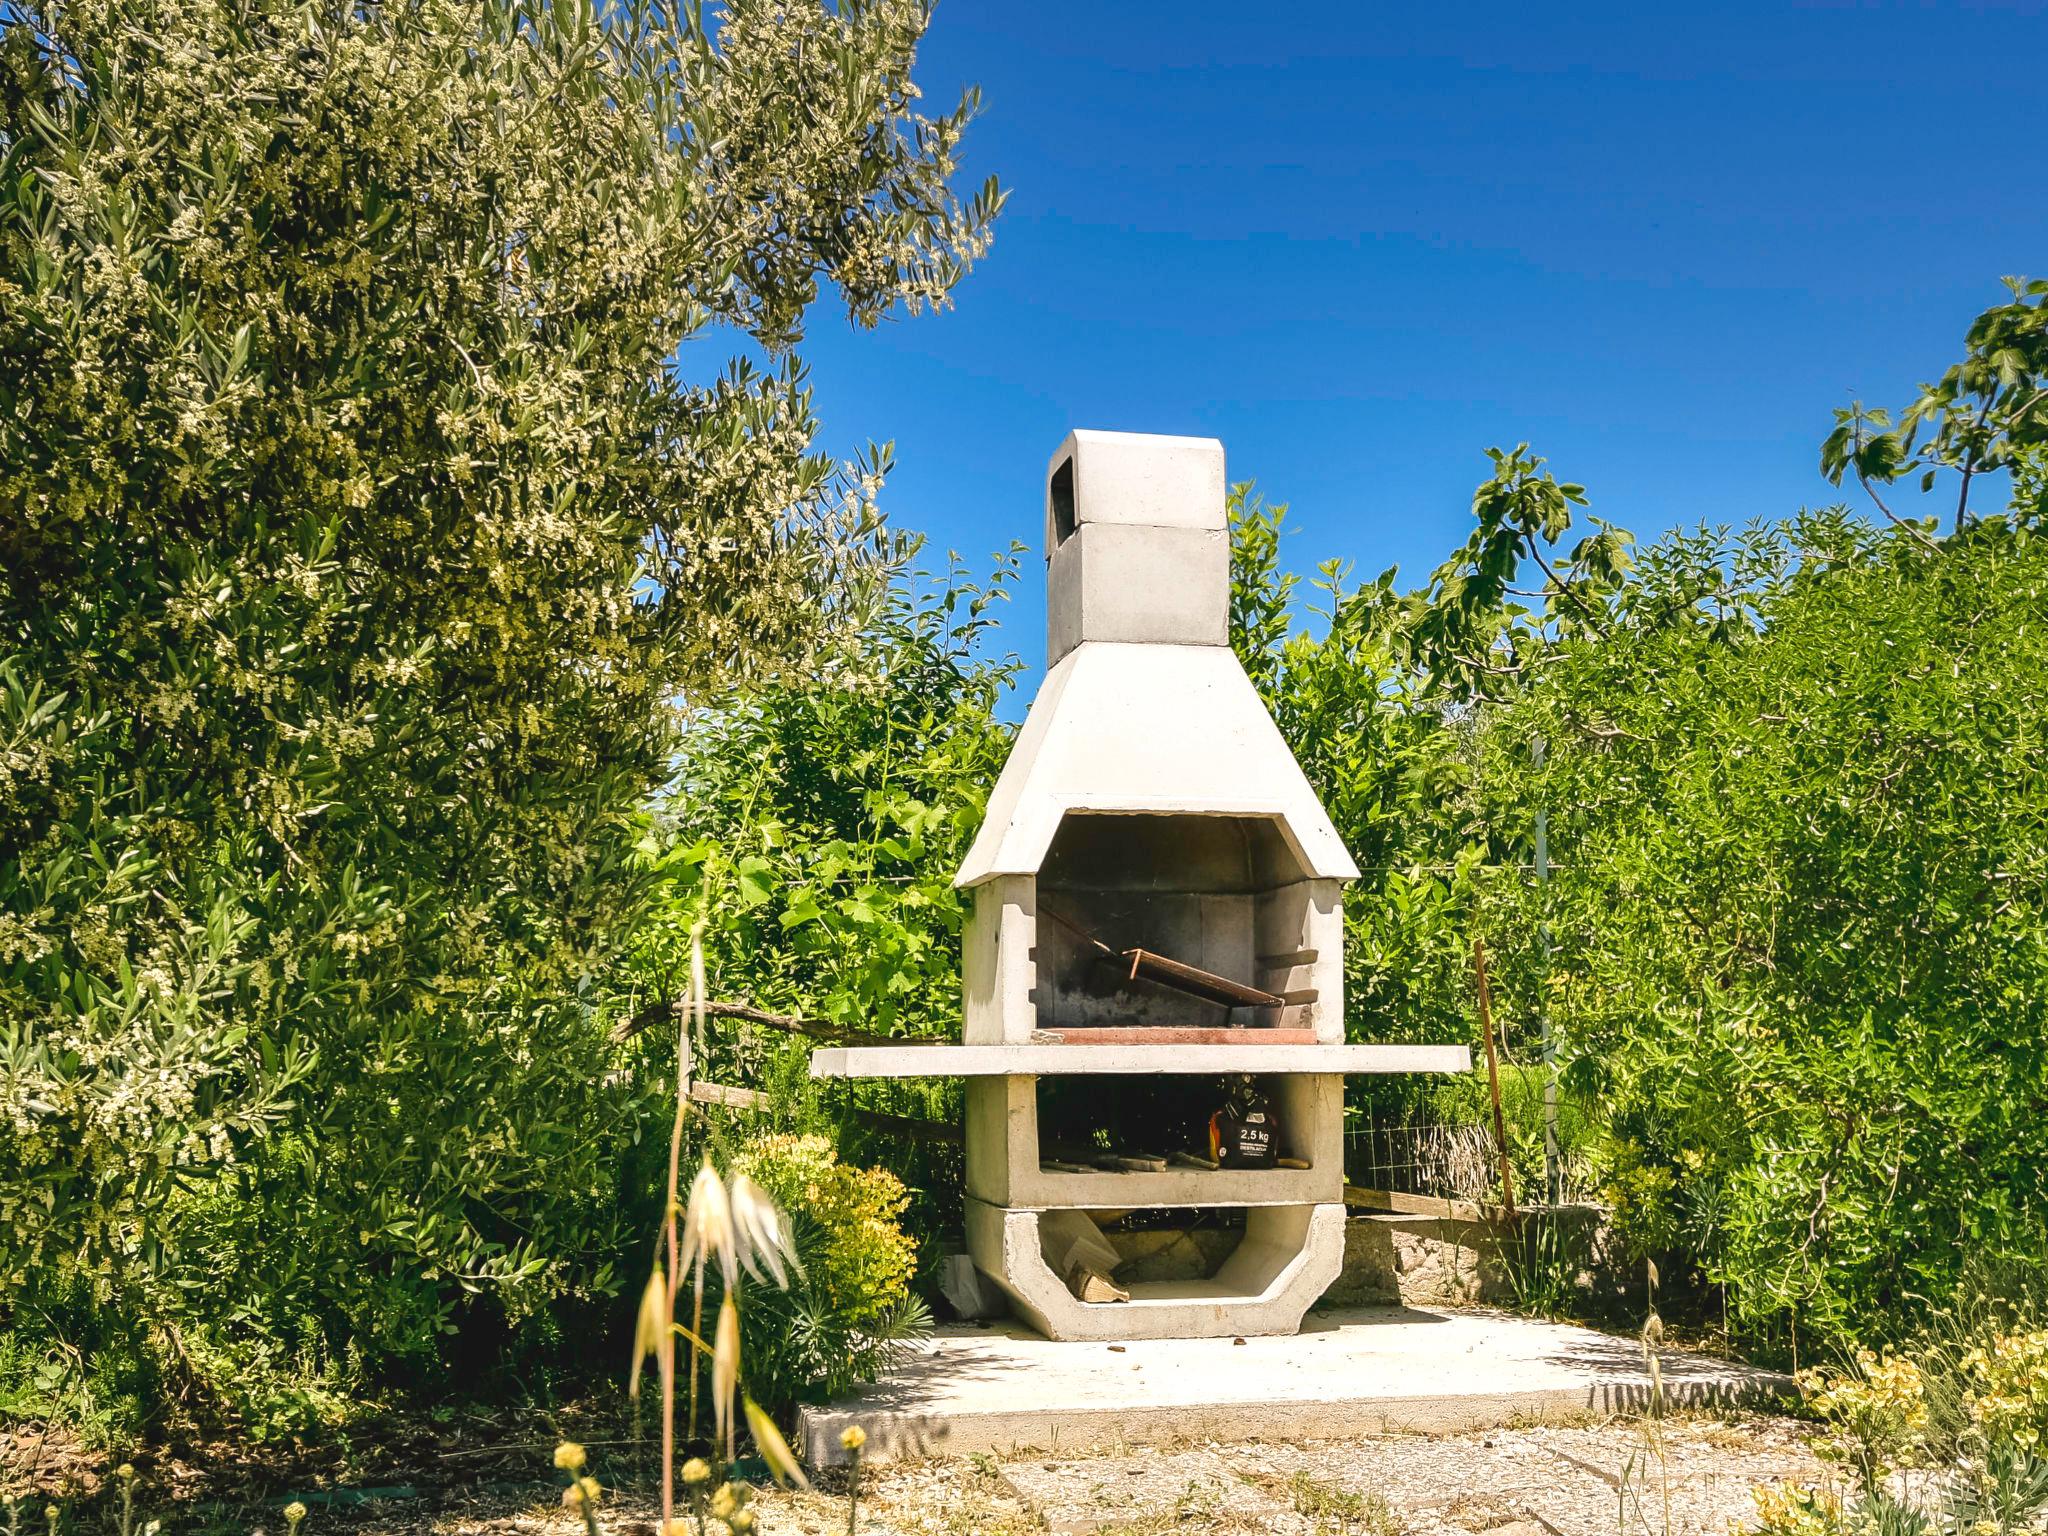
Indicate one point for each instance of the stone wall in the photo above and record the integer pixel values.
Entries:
(1415, 1259)
(1395, 1259)
(1474, 1258)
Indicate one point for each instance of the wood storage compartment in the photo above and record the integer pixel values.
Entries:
(1287, 1257)
(1011, 1162)
(1096, 1119)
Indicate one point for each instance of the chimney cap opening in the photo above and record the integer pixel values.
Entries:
(1060, 492)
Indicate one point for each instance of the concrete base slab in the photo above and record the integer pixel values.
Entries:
(1349, 1371)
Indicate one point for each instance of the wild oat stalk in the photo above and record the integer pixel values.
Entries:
(737, 1227)
(1653, 1419)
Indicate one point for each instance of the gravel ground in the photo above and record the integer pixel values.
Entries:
(1593, 1479)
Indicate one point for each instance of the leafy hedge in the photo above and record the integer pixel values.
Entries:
(1801, 956)
(1790, 947)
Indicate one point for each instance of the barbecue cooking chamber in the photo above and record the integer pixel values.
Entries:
(1173, 922)
(1155, 907)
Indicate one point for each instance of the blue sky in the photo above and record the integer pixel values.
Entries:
(1360, 243)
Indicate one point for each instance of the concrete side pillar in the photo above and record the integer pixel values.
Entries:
(998, 965)
(1301, 918)
(1002, 1137)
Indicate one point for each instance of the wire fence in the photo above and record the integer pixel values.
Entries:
(1417, 1157)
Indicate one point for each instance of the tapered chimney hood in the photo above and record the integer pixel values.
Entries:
(1146, 709)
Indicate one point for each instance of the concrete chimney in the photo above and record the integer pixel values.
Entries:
(1137, 542)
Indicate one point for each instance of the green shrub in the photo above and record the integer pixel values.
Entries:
(1942, 1435)
(103, 1394)
(1789, 940)
(1800, 934)
(812, 838)
(1909, 1467)
(848, 1316)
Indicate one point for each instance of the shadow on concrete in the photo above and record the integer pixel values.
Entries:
(1621, 1382)
(1330, 1319)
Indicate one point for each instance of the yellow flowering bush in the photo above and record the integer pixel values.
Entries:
(1945, 1442)
(2008, 1394)
(1797, 1509)
(849, 1311)
(1877, 1412)
(860, 1257)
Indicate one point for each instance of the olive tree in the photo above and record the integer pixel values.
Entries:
(399, 408)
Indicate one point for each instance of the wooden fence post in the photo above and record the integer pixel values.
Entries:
(1500, 1126)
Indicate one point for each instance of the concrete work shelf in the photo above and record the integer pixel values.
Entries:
(1128, 1060)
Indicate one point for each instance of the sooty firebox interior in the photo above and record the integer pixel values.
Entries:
(1189, 890)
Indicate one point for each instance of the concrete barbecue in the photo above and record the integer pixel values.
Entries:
(1153, 967)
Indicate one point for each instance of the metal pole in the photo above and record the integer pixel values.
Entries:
(1553, 1170)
